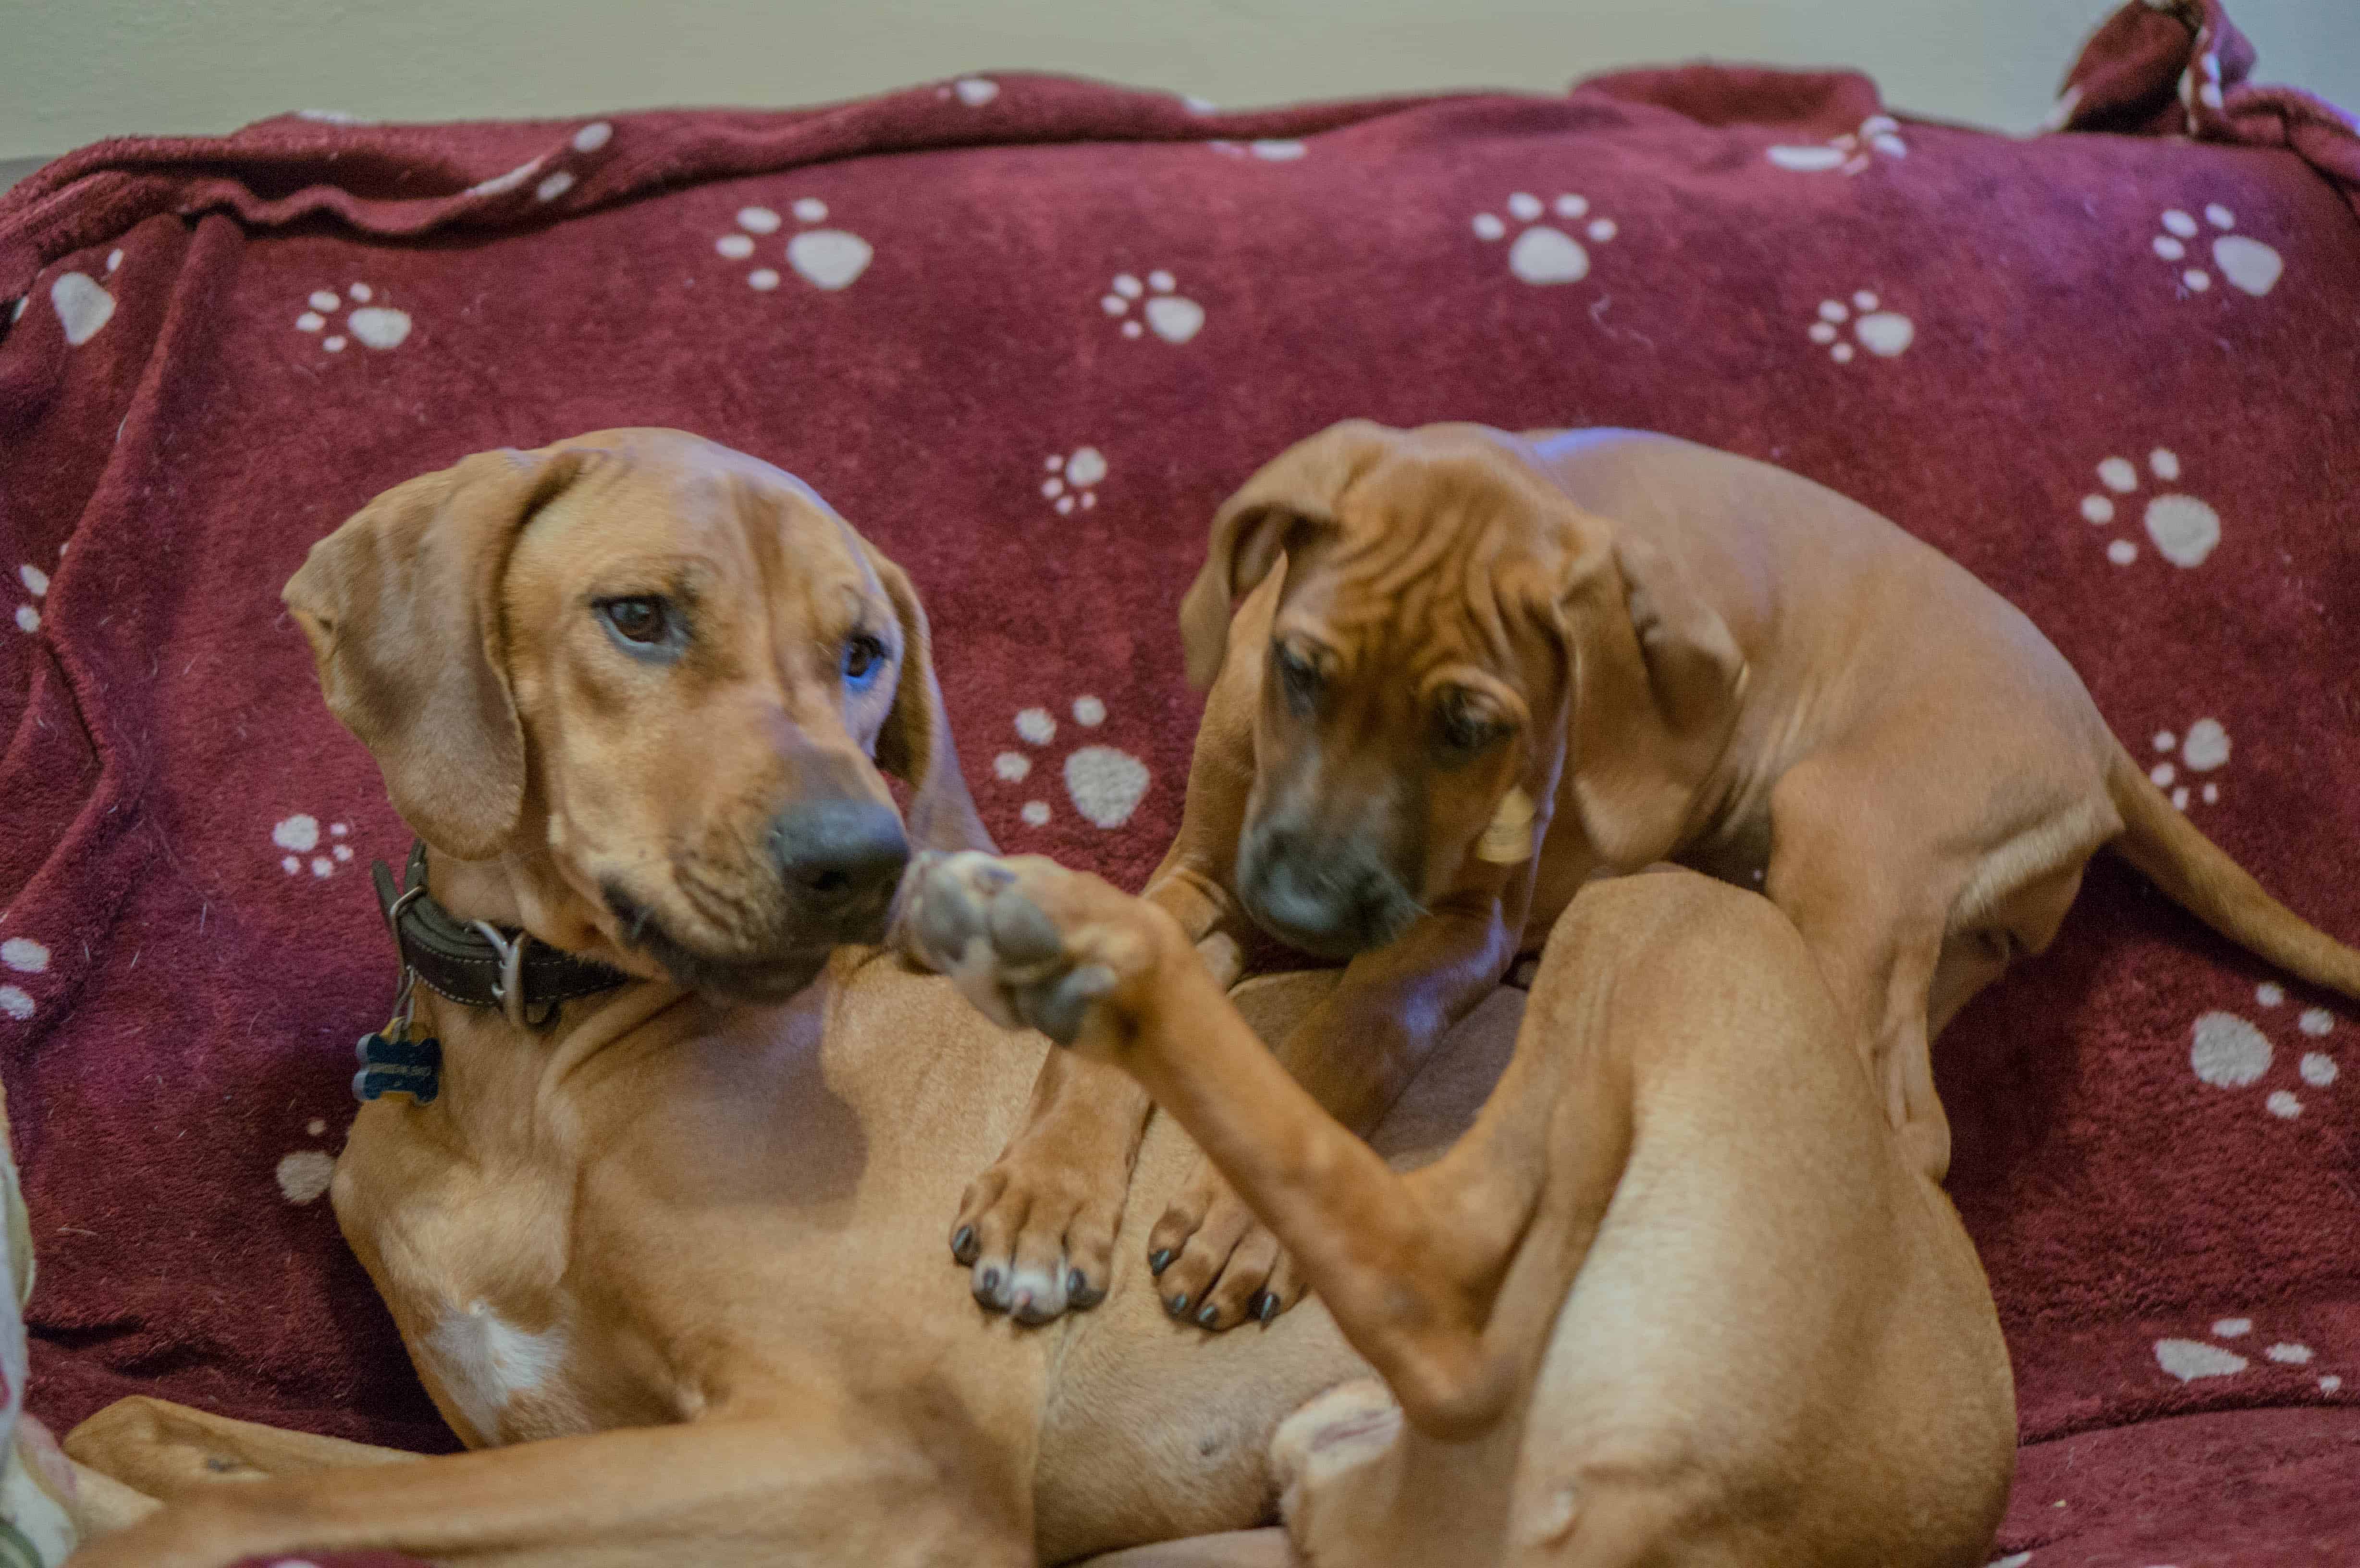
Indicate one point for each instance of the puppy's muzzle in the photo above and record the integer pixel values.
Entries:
(1331, 898)
(840, 861)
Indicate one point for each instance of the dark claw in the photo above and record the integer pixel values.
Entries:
(1077, 1286)
(1209, 1316)
(1179, 1305)
(963, 1243)
(1157, 1262)
(1268, 1309)
(987, 1285)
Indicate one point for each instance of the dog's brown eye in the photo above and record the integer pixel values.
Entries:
(1468, 728)
(1298, 676)
(641, 619)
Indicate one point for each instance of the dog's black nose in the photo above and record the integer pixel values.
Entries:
(840, 855)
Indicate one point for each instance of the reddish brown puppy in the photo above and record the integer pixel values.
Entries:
(1472, 671)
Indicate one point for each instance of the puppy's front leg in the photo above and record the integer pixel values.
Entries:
(1407, 1265)
(1036, 1230)
(1355, 1052)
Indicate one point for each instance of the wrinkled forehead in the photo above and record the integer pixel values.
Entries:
(1436, 555)
(660, 496)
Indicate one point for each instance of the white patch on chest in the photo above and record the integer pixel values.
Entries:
(483, 1361)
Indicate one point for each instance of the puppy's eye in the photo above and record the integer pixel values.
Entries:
(1298, 676)
(1468, 728)
(864, 659)
(641, 618)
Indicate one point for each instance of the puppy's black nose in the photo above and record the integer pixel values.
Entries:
(1326, 900)
(840, 855)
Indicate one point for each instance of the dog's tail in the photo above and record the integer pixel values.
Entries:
(2197, 876)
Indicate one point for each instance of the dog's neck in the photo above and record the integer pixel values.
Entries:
(525, 891)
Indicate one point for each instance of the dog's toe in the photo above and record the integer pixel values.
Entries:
(1058, 1009)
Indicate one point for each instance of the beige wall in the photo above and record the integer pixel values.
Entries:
(74, 70)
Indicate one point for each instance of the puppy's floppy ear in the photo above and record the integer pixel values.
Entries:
(915, 744)
(1298, 488)
(1657, 679)
(402, 608)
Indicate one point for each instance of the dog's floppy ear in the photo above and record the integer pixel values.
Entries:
(402, 608)
(1657, 679)
(1297, 488)
(915, 744)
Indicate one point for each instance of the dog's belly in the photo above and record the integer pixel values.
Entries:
(713, 1221)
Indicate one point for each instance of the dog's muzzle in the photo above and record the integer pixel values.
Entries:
(1330, 899)
(840, 861)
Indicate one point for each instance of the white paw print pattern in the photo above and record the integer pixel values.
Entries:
(973, 91)
(372, 324)
(589, 140)
(1173, 317)
(2204, 748)
(2228, 1053)
(1270, 150)
(2191, 1360)
(304, 1174)
(20, 956)
(2249, 266)
(1850, 153)
(2184, 529)
(1072, 480)
(1884, 333)
(1104, 785)
(81, 302)
(1542, 253)
(825, 258)
(36, 583)
(298, 836)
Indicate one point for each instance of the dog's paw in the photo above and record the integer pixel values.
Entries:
(1036, 1230)
(1034, 945)
(1215, 1264)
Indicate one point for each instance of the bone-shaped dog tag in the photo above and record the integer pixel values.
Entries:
(393, 1062)
(1508, 839)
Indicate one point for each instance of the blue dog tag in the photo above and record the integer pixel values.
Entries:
(393, 1063)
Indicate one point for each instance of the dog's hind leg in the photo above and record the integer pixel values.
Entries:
(823, 1485)
(166, 1450)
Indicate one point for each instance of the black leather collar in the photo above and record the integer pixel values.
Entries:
(476, 963)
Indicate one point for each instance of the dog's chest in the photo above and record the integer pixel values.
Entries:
(467, 1246)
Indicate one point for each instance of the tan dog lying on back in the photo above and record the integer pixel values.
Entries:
(666, 1264)
(1473, 670)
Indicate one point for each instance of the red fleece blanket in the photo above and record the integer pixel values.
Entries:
(1027, 333)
